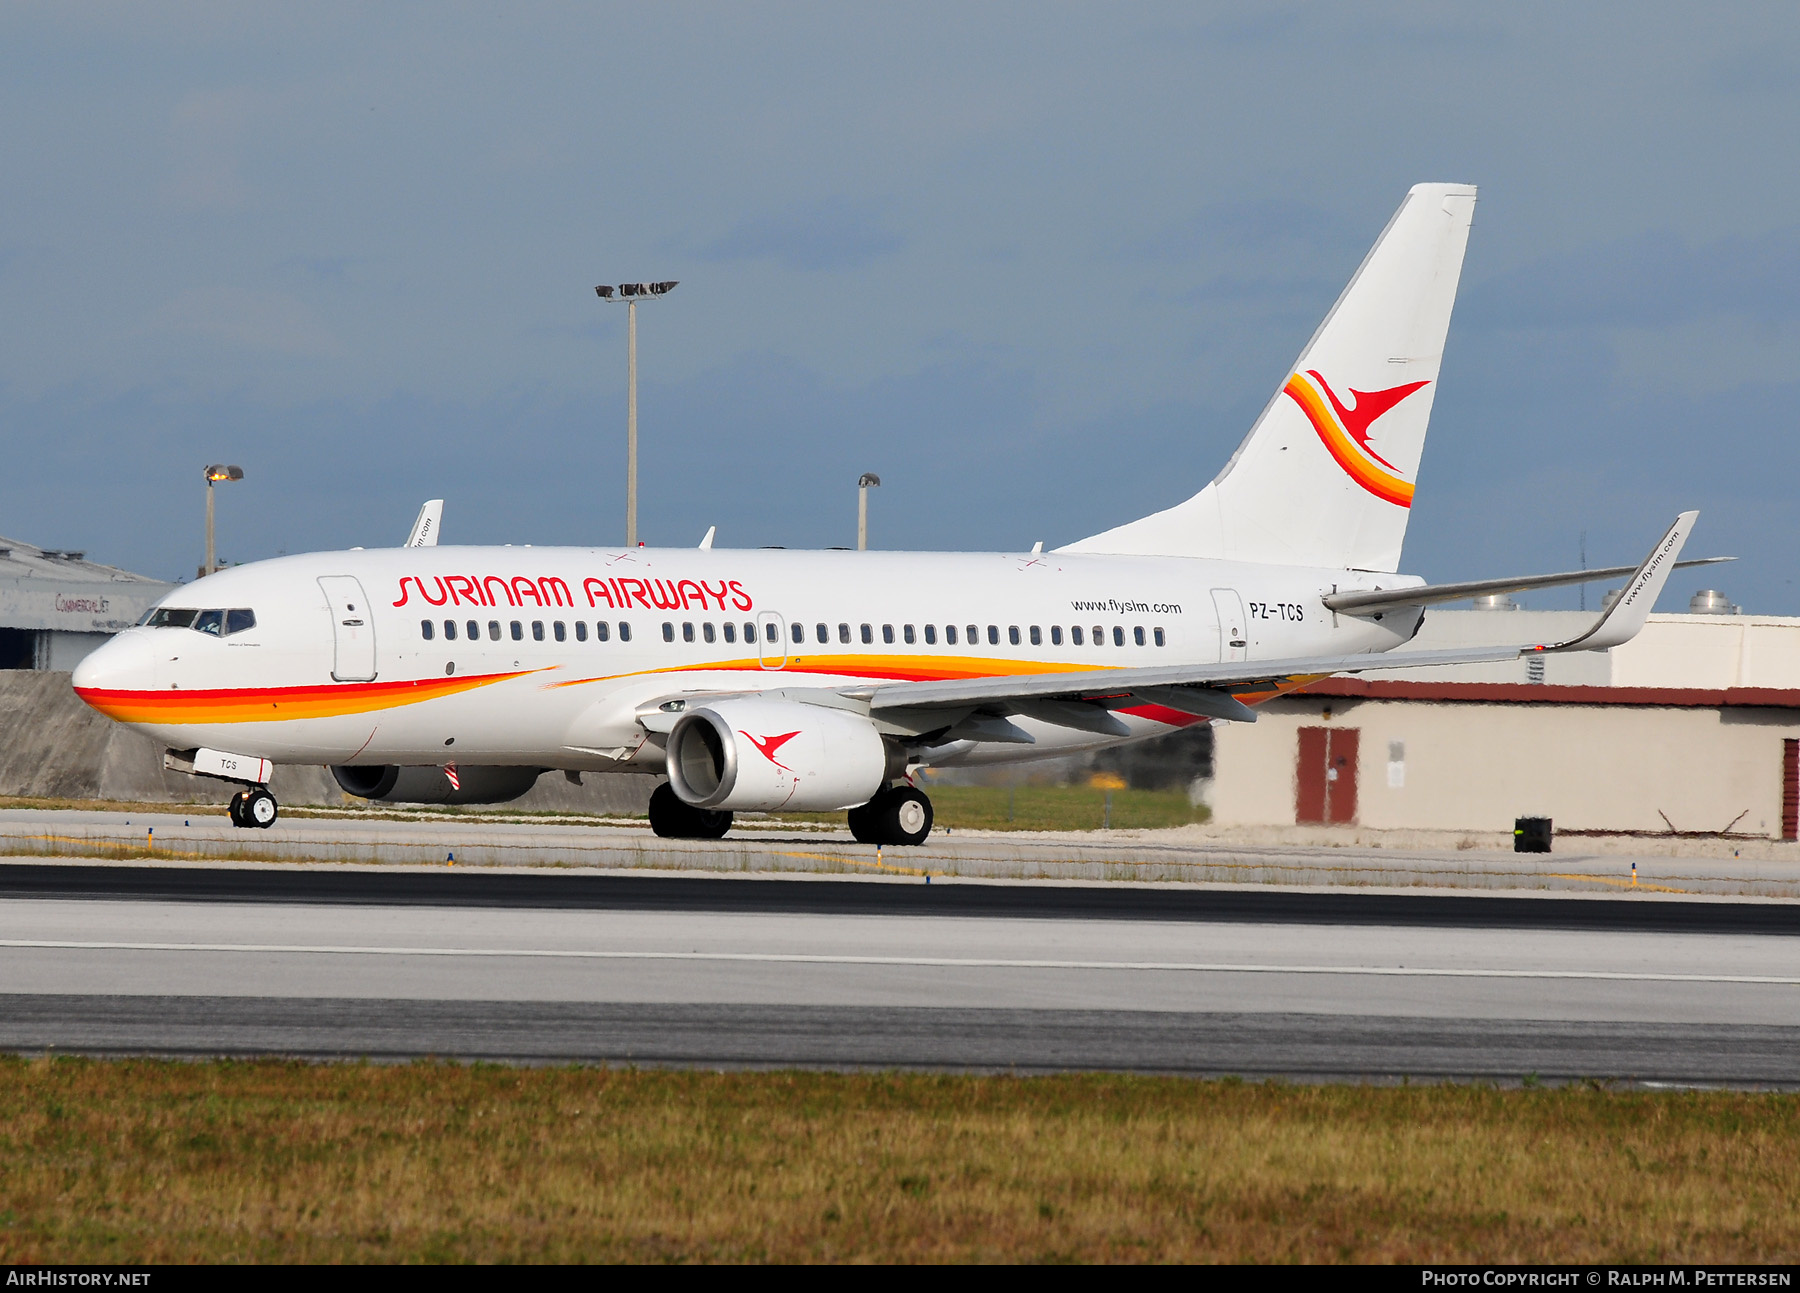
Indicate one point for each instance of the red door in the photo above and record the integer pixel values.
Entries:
(1790, 790)
(1325, 776)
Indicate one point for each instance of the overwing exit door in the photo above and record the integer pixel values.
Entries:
(1234, 639)
(352, 629)
(772, 641)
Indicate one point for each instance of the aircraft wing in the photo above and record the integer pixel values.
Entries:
(1378, 599)
(1210, 690)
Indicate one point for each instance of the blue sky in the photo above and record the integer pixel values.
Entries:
(1038, 266)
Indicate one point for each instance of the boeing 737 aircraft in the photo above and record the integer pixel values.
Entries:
(765, 680)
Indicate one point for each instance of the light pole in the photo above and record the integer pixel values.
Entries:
(217, 472)
(864, 483)
(631, 294)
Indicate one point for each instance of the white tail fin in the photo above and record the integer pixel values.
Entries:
(1325, 477)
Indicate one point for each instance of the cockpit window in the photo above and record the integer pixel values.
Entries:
(170, 617)
(218, 623)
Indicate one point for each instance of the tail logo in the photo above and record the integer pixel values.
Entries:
(769, 744)
(1345, 431)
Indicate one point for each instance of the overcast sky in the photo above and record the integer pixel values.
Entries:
(1037, 266)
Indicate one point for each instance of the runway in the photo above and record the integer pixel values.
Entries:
(389, 963)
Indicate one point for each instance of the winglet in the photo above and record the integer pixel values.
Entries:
(1628, 612)
(706, 543)
(425, 529)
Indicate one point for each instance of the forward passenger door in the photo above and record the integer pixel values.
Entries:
(352, 629)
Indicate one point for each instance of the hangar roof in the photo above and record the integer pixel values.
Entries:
(53, 588)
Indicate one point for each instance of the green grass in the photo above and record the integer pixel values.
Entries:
(158, 1161)
(1047, 808)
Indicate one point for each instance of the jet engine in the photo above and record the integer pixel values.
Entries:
(428, 785)
(760, 753)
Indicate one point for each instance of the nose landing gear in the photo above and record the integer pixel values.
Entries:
(897, 815)
(254, 807)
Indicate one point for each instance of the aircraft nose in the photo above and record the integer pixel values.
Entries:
(127, 663)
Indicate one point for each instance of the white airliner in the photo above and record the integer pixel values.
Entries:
(764, 680)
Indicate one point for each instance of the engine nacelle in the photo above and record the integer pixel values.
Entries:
(427, 785)
(755, 754)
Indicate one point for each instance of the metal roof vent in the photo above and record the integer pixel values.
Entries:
(1710, 601)
(1496, 602)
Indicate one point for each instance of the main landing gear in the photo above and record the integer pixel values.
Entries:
(897, 815)
(254, 807)
(674, 819)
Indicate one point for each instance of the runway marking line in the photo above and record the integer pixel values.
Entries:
(1623, 884)
(930, 962)
(875, 866)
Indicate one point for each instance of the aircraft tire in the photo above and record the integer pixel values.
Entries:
(260, 809)
(237, 810)
(674, 819)
(864, 827)
(902, 816)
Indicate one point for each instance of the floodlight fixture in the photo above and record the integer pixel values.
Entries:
(864, 483)
(631, 294)
(215, 473)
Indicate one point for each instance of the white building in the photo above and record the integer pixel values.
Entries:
(56, 606)
(1692, 726)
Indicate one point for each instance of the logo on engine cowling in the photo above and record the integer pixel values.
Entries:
(767, 745)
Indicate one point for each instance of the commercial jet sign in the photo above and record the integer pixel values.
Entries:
(618, 594)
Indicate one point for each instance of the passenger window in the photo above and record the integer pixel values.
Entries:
(239, 620)
(994, 634)
(868, 635)
(1012, 634)
(823, 634)
(427, 630)
(518, 631)
(749, 631)
(624, 630)
(1075, 634)
(797, 631)
(931, 635)
(602, 631)
(581, 630)
(212, 622)
(949, 635)
(1118, 636)
(1159, 638)
(844, 633)
(1055, 634)
(1037, 636)
(907, 633)
(1137, 635)
(449, 630)
(730, 631)
(668, 631)
(974, 637)
(537, 630)
(687, 631)
(706, 631)
(1099, 636)
(887, 634)
(493, 630)
(561, 633)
